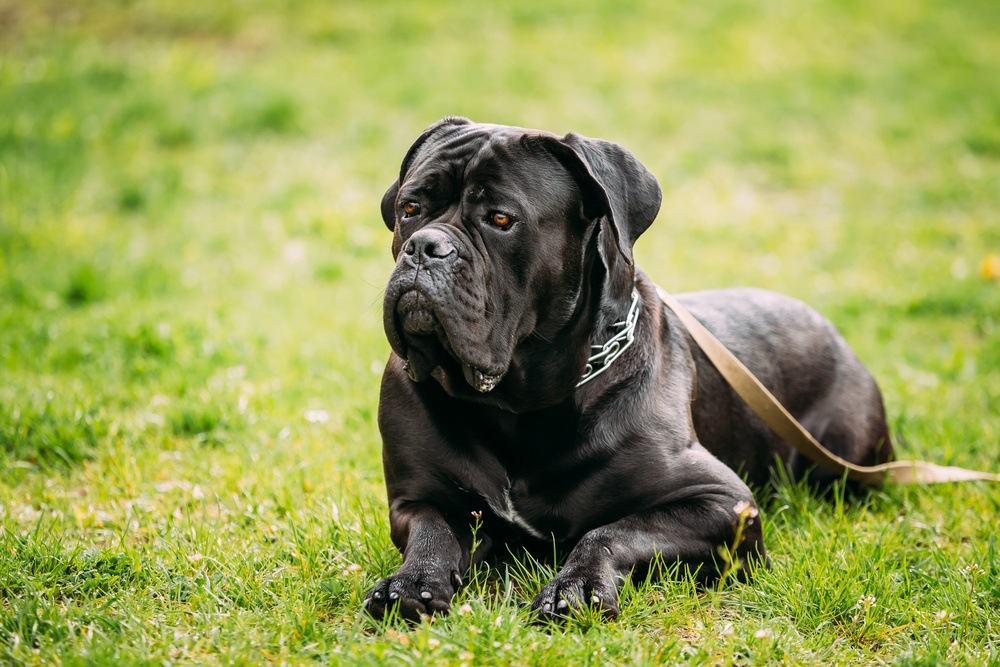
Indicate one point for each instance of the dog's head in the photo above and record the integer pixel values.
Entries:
(505, 237)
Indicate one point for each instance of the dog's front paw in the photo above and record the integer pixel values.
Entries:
(576, 591)
(414, 594)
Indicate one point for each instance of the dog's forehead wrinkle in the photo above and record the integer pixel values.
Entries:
(451, 150)
(491, 165)
(479, 155)
(475, 193)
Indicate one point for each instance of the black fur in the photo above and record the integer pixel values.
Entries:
(491, 327)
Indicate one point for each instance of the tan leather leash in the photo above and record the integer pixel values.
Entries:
(774, 414)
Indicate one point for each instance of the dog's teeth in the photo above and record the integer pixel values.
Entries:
(479, 380)
(486, 383)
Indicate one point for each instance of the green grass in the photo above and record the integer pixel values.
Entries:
(191, 266)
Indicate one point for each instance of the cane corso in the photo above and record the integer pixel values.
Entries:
(540, 396)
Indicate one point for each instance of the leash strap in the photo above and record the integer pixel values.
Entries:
(774, 414)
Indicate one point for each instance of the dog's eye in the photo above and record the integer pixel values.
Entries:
(500, 219)
(410, 209)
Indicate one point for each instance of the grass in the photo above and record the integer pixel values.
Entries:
(191, 265)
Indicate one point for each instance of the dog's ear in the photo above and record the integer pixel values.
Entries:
(614, 185)
(389, 206)
(389, 198)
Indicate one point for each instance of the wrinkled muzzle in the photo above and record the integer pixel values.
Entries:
(435, 314)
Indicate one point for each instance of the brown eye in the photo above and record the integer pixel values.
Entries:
(411, 208)
(500, 219)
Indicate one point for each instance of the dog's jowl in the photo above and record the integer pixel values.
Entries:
(538, 389)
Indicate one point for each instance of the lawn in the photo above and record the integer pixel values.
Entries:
(191, 268)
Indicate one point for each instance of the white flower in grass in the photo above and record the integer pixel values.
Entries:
(317, 416)
(745, 510)
(295, 251)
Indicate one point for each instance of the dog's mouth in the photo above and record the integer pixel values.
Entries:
(428, 346)
(416, 314)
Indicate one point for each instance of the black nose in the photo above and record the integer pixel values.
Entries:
(429, 244)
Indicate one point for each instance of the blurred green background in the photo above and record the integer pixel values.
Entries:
(191, 266)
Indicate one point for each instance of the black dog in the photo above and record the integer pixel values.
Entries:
(537, 384)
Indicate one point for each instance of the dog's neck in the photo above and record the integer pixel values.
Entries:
(604, 354)
(613, 329)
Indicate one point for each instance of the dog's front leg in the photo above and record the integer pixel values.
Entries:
(433, 558)
(688, 532)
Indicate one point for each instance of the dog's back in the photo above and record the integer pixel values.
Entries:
(805, 362)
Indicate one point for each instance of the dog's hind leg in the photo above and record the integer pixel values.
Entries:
(849, 420)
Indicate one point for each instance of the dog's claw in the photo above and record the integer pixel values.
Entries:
(565, 596)
(411, 595)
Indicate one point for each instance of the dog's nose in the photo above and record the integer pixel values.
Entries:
(429, 244)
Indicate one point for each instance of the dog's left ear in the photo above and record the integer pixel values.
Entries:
(614, 185)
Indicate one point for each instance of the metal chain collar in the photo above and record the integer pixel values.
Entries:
(606, 354)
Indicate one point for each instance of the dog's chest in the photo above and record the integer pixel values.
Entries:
(502, 502)
(525, 508)
(492, 489)
(519, 470)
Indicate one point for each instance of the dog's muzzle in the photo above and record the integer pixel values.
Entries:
(416, 314)
(418, 317)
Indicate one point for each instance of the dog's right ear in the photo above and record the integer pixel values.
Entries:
(389, 206)
(389, 198)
